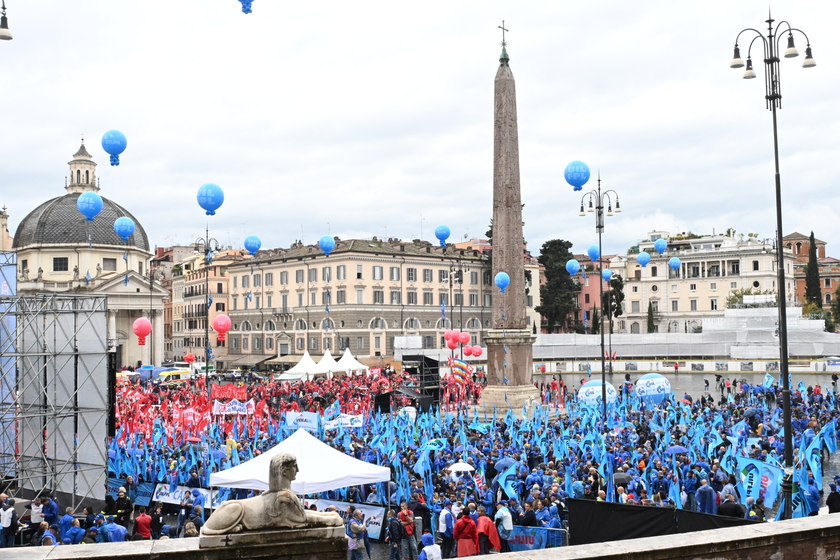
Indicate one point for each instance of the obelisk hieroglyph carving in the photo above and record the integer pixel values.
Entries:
(509, 341)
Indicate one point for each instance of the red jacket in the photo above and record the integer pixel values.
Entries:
(143, 525)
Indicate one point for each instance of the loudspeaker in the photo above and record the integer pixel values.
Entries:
(382, 403)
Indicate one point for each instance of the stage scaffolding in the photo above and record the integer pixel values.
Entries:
(56, 390)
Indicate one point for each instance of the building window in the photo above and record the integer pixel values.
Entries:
(313, 343)
(635, 289)
(411, 274)
(220, 307)
(585, 298)
(234, 282)
(326, 274)
(675, 305)
(313, 298)
(299, 276)
(488, 300)
(635, 328)
(733, 285)
(692, 287)
(713, 304)
(378, 296)
(428, 298)
(327, 343)
(257, 343)
(395, 274)
(60, 264)
(442, 298)
(377, 342)
(284, 302)
(245, 343)
(325, 297)
(340, 296)
(269, 278)
(755, 265)
(474, 278)
(634, 306)
(674, 288)
(486, 280)
(713, 285)
(235, 303)
(529, 301)
(827, 282)
(269, 343)
(257, 280)
(341, 272)
(693, 304)
(269, 301)
(459, 299)
(300, 299)
(313, 274)
(428, 274)
(358, 272)
(653, 271)
(360, 343)
(377, 273)
(474, 300)
(412, 298)
(443, 276)
(245, 282)
(284, 277)
(257, 302)
(828, 298)
(109, 265)
(360, 296)
(301, 344)
(377, 323)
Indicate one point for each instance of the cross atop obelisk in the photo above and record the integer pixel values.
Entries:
(509, 340)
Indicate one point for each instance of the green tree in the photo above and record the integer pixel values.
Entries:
(595, 324)
(835, 305)
(651, 326)
(813, 293)
(557, 295)
(613, 298)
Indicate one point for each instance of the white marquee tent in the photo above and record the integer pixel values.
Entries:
(322, 468)
(304, 366)
(349, 364)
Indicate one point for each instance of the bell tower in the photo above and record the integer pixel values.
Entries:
(82, 172)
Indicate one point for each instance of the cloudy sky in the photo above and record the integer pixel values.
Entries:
(370, 119)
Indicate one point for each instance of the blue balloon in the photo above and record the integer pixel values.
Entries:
(327, 244)
(252, 244)
(442, 233)
(577, 174)
(660, 245)
(593, 252)
(114, 143)
(653, 387)
(606, 274)
(502, 281)
(674, 263)
(643, 258)
(210, 197)
(124, 227)
(89, 204)
(573, 267)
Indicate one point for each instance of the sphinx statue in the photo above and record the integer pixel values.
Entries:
(279, 508)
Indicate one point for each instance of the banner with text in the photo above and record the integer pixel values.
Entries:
(163, 494)
(346, 420)
(234, 408)
(228, 392)
(528, 538)
(306, 420)
(374, 515)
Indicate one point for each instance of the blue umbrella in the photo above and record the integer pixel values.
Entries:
(676, 449)
(504, 463)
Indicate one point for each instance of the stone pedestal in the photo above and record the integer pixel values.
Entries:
(509, 357)
(317, 543)
(512, 397)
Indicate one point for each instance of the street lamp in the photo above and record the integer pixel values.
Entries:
(206, 246)
(595, 200)
(773, 97)
(5, 34)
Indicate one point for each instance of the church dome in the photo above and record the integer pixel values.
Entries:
(59, 222)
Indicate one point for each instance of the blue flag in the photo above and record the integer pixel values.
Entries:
(769, 380)
(508, 481)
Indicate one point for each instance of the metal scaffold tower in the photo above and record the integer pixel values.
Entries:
(56, 395)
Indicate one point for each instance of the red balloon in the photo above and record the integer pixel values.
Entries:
(468, 350)
(542, 369)
(464, 337)
(447, 335)
(142, 327)
(452, 344)
(476, 350)
(189, 358)
(221, 324)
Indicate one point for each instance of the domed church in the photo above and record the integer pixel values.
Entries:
(58, 250)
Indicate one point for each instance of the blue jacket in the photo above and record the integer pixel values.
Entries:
(690, 484)
(706, 499)
(64, 525)
(449, 521)
(50, 512)
(75, 534)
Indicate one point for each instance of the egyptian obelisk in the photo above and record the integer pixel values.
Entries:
(509, 340)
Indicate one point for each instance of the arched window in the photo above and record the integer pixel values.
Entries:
(473, 323)
(87, 176)
(300, 325)
(246, 325)
(443, 324)
(78, 176)
(270, 326)
(412, 324)
(635, 328)
(798, 247)
(377, 323)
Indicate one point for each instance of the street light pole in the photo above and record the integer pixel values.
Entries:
(208, 245)
(599, 199)
(773, 97)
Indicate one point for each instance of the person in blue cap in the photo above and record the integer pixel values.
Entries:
(812, 496)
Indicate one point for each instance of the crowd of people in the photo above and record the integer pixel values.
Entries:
(680, 453)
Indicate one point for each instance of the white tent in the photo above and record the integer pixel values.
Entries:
(322, 468)
(349, 364)
(326, 366)
(304, 366)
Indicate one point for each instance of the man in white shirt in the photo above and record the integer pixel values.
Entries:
(36, 516)
(504, 524)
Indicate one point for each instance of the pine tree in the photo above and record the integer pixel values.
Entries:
(651, 327)
(813, 293)
(558, 293)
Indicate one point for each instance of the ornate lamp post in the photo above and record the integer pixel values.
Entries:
(773, 97)
(595, 200)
